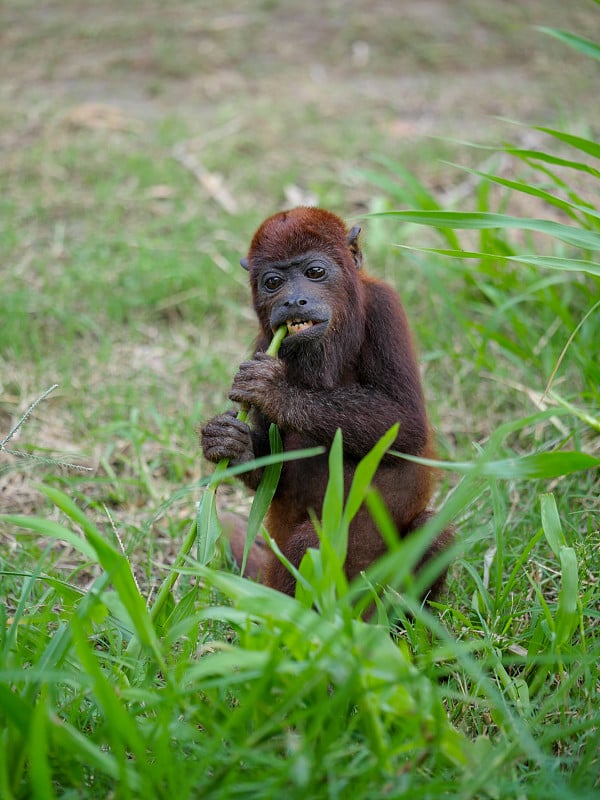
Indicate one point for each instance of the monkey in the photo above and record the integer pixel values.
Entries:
(348, 361)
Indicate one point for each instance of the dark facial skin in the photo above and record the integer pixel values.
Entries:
(297, 294)
(347, 362)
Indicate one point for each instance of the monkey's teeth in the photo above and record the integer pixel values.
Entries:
(295, 326)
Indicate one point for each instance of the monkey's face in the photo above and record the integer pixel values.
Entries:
(300, 294)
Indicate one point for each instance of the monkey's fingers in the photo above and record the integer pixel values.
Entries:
(246, 396)
(215, 450)
(226, 437)
(226, 424)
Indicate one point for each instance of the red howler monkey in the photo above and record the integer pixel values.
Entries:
(347, 362)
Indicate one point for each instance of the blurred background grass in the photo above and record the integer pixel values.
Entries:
(119, 269)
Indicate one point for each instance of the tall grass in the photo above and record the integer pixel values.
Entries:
(224, 688)
(268, 694)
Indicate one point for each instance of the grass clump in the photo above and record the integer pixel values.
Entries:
(300, 695)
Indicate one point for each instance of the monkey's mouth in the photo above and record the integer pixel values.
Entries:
(297, 325)
(300, 329)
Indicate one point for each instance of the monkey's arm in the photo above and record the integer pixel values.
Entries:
(364, 413)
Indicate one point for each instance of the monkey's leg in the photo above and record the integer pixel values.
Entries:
(234, 530)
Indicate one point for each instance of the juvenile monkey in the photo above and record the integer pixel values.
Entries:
(347, 362)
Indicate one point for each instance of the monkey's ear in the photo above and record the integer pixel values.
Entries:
(245, 263)
(352, 241)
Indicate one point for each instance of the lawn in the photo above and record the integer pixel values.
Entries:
(140, 146)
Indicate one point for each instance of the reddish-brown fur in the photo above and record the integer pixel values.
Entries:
(359, 374)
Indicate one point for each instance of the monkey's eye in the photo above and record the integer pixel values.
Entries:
(314, 273)
(272, 282)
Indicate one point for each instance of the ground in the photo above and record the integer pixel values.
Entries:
(310, 85)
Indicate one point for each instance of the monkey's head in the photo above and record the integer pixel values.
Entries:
(303, 267)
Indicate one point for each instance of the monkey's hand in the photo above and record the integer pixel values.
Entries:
(226, 437)
(261, 383)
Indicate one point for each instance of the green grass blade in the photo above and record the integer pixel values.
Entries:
(263, 461)
(570, 208)
(64, 737)
(589, 419)
(518, 567)
(551, 524)
(334, 494)
(579, 142)
(166, 586)
(47, 527)
(414, 193)
(481, 220)
(579, 43)
(365, 472)
(530, 467)
(255, 598)
(119, 719)
(541, 465)
(80, 746)
(324, 568)
(264, 494)
(546, 262)
(14, 709)
(54, 655)
(546, 158)
(208, 525)
(382, 518)
(116, 566)
(39, 768)
(567, 614)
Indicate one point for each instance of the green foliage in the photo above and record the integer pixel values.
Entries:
(378, 710)
(527, 645)
(509, 291)
(287, 694)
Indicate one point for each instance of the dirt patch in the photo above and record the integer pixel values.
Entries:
(445, 67)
